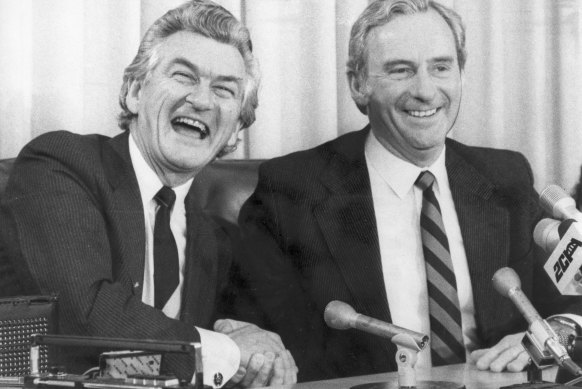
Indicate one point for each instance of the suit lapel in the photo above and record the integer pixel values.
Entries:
(201, 244)
(127, 212)
(484, 223)
(348, 223)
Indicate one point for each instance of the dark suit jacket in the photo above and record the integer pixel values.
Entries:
(73, 213)
(309, 234)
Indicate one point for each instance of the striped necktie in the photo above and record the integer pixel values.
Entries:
(166, 267)
(447, 345)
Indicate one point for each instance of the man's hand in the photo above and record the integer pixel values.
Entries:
(508, 355)
(264, 359)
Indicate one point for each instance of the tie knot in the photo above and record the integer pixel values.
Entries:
(425, 180)
(165, 197)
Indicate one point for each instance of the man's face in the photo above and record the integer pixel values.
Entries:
(413, 89)
(188, 108)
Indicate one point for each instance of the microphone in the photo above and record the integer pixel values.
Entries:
(559, 204)
(569, 336)
(562, 240)
(507, 283)
(342, 316)
(546, 234)
(568, 333)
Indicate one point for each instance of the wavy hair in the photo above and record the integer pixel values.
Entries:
(380, 12)
(202, 17)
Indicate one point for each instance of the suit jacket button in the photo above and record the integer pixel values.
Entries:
(218, 379)
(136, 285)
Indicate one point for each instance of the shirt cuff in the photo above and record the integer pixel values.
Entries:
(220, 357)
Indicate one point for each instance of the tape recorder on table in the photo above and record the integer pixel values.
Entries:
(135, 366)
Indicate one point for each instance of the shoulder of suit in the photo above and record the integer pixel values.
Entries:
(66, 147)
(54, 152)
(502, 167)
(66, 142)
(478, 152)
(314, 160)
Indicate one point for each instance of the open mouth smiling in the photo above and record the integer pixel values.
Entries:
(422, 114)
(188, 124)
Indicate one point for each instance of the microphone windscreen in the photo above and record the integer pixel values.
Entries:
(339, 315)
(546, 234)
(504, 280)
(550, 196)
(559, 204)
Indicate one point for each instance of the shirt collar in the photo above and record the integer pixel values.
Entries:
(399, 174)
(148, 181)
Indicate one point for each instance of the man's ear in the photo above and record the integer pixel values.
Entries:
(232, 143)
(133, 96)
(358, 90)
(233, 140)
(462, 84)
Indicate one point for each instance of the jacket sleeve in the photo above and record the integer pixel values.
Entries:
(271, 267)
(55, 224)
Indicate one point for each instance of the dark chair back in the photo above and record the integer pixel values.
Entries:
(15, 279)
(578, 192)
(223, 186)
(5, 169)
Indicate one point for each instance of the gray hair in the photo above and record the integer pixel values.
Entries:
(202, 17)
(380, 12)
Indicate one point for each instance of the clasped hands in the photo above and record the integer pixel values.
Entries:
(264, 359)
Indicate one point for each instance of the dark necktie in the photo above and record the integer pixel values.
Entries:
(165, 250)
(446, 336)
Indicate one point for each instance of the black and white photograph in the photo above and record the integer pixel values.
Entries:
(290, 194)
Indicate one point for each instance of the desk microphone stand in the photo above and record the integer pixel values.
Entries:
(406, 357)
(539, 357)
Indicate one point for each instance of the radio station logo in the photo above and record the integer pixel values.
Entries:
(564, 260)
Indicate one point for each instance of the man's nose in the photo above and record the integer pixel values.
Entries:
(423, 87)
(200, 97)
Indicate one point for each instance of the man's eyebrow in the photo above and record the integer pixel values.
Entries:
(389, 64)
(446, 58)
(183, 61)
(224, 78)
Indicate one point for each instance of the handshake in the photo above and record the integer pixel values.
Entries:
(264, 360)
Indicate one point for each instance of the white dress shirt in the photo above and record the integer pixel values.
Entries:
(219, 353)
(397, 206)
